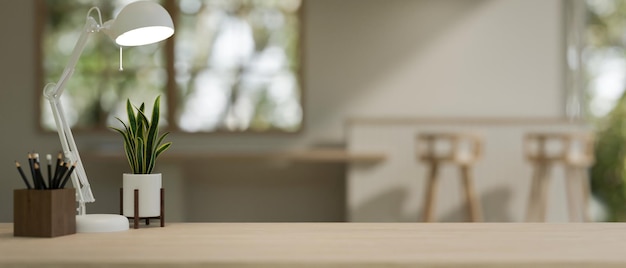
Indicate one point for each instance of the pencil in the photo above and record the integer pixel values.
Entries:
(42, 183)
(32, 171)
(56, 169)
(67, 175)
(38, 171)
(49, 158)
(58, 172)
(19, 169)
(59, 158)
(37, 167)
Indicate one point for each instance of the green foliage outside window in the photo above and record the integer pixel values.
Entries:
(605, 56)
(94, 96)
(233, 66)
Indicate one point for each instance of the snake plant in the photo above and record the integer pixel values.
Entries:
(142, 142)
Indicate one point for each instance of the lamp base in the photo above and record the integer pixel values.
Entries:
(101, 223)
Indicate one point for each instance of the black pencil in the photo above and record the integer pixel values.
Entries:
(56, 169)
(37, 166)
(59, 158)
(49, 158)
(39, 177)
(67, 176)
(32, 171)
(19, 169)
(58, 172)
(62, 174)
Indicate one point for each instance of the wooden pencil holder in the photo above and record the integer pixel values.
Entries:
(44, 213)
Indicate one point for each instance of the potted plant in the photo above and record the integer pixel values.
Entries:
(142, 145)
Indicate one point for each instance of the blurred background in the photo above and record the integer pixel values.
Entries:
(307, 110)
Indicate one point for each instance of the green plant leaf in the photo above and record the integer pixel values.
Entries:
(161, 138)
(140, 157)
(153, 132)
(142, 143)
(143, 121)
(131, 117)
(129, 143)
(128, 151)
(162, 148)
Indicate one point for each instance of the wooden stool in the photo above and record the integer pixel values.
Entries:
(575, 152)
(462, 150)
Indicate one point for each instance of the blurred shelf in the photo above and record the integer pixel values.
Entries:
(464, 121)
(307, 155)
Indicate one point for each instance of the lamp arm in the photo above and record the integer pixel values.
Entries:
(90, 26)
(79, 176)
(52, 93)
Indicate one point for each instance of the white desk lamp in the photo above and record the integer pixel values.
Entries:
(138, 23)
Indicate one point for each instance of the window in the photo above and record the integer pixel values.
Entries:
(604, 55)
(232, 66)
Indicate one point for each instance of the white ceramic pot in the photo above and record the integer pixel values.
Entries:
(149, 186)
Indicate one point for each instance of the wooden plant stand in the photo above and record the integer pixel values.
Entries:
(136, 217)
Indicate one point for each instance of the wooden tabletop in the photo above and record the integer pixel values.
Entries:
(327, 245)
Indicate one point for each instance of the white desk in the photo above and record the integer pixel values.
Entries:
(327, 245)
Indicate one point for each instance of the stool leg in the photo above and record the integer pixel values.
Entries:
(473, 204)
(578, 193)
(584, 181)
(537, 199)
(543, 197)
(573, 194)
(429, 201)
(531, 209)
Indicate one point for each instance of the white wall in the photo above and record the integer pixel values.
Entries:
(418, 58)
(441, 59)
(362, 58)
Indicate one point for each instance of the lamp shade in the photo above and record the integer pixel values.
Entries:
(141, 23)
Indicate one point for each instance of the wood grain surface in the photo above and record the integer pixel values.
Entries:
(327, 245)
